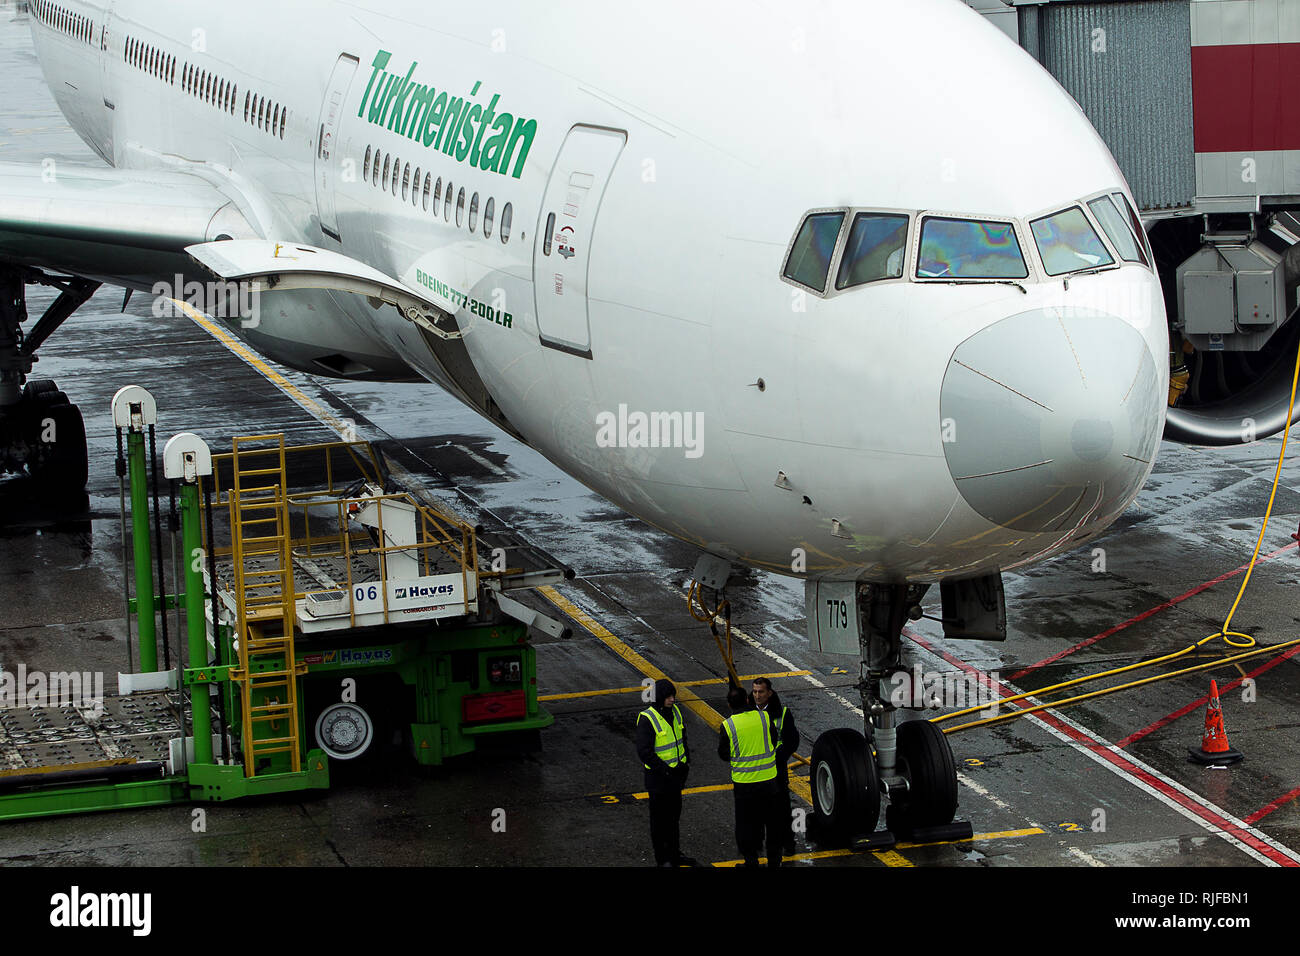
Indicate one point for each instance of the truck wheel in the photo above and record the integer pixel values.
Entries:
(344, 731)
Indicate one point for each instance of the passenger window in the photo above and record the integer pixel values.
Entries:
(437, 195)
(365, 168)
(428, 188)
(460, 206)
(488, 212)
(473, 212)
(388, 168)
(446, 205)
(507, 214)
(406, 182)
(1113, 223)
(415, 187)
(1067, 242)
(969, 249)
(875, 250)
(810, 257)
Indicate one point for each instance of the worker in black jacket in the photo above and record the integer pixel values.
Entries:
(661, 745)
(764, 698)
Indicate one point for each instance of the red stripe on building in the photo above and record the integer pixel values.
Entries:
(1243, 97)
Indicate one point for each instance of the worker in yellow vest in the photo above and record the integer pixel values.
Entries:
(765, 699)
(747, 740)
(661, 745)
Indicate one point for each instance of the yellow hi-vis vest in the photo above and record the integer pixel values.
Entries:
(668, 737)
(753, 758)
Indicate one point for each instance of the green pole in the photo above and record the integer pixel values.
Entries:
(195, 622)
(144, 584)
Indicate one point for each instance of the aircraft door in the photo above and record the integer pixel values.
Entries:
(562, 245)
(107, 93)
(331, 120)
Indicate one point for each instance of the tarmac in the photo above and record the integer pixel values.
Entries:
(1104, 782)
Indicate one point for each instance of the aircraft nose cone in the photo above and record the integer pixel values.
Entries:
(1051, 418)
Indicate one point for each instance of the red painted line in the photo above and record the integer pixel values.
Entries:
(1268, 808)
(1242, 98)
(1118, 760)
(1148, 613)
(1202, 701)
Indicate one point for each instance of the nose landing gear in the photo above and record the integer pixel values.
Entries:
(41, 432)
(909, 763)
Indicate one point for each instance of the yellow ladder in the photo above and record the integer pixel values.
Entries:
(264, 596)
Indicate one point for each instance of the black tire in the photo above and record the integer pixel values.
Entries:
(845, 787)
(35, 389)
(60, 464)
(926, 761)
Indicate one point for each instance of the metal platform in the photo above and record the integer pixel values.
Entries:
(137, 727)
(362, 553)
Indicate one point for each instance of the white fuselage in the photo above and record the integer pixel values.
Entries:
(737, 120)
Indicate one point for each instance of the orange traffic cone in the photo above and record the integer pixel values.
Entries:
(1214, 741)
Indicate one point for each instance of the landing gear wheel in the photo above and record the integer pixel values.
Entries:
(845, 787)
(58, 442)
(36, 389)
(925, 759)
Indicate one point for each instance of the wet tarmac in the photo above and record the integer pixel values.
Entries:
(1102, 783)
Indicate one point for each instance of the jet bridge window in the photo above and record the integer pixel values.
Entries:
(874, 251)
(809, 261)
(1121, 235)
(1067, 242)
(969, 249)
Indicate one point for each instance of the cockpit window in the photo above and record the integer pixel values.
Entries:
(874, 251)
(969, 249)
(1136, 221)
(810, 256)
(1118, 229)
(1067, 242)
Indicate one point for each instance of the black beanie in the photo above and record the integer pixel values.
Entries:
(663, 690)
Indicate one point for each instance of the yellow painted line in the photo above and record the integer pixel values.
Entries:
(715, 788)
(892, 858)
(1000, 835)
(891, 854)
(312, 406)
(639, 688)
(688, 698)
(887, 857)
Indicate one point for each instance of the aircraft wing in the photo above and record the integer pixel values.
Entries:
(124, 227)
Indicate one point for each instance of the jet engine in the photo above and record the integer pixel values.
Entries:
(1230, 286)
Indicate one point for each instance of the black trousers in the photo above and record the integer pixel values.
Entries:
(761, 818)
(665, 818)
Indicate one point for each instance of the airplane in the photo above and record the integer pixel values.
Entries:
(851, 292)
